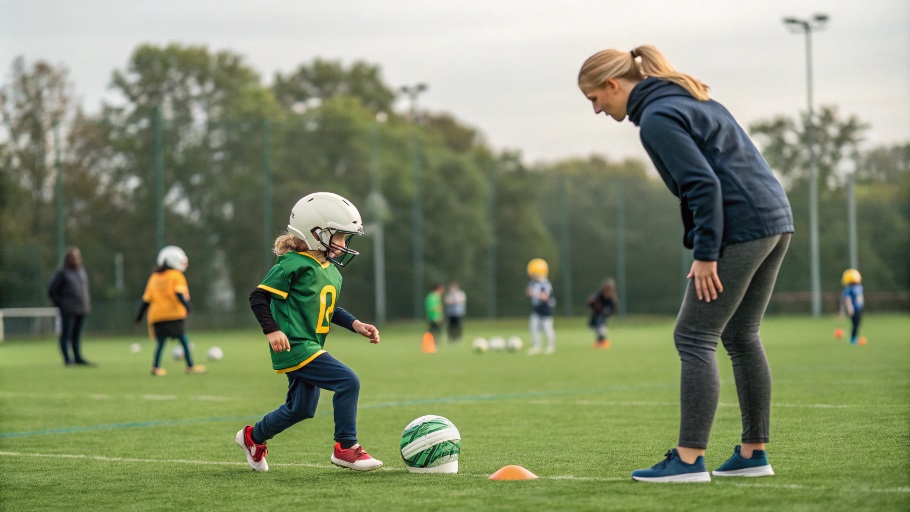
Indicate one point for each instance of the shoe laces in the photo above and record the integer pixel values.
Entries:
(258, 450)
(662, 464)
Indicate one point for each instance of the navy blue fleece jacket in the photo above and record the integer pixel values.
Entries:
(726, 190)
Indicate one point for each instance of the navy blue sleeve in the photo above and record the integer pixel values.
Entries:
(186, 303)
(343, 319)
(675, 154)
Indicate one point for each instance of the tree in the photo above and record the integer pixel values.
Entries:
(784, 145)
(324, 79)
(33, 106)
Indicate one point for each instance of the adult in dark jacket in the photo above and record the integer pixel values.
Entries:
(69, 291)
(737, 219)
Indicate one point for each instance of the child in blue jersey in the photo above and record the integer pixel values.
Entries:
(540, 291)
(295, 305)
(852, 300)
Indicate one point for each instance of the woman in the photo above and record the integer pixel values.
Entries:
(737, 219)
(69, 291)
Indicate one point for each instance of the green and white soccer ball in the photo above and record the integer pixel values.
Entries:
(431, 444)
(480, 345)
(514, 344)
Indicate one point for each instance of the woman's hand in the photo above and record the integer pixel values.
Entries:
(707, 282)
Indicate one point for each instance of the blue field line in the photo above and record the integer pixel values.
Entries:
(404, 403)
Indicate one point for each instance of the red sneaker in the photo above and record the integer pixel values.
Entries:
(255, 453)
(354, 458)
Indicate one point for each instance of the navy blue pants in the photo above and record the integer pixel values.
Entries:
(324, 372)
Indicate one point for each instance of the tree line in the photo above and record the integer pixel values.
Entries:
(194, 149)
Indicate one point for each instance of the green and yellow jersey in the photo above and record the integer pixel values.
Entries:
(304, 292)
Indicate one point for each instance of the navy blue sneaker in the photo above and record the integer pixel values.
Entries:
(673, 469)
(737, 465)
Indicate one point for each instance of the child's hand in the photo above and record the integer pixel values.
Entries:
(279, 341)
(367, 331)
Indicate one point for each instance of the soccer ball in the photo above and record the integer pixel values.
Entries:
(214, 354)
(431, 444)
(480, 345)
(177, 353)
(497, 343)
(135, 347)
(514, 344)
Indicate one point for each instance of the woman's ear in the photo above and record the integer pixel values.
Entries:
(611, 85)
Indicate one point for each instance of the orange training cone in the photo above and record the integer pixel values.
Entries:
(513, 473)
(429, 345)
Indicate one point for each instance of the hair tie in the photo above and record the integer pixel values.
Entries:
(632, 53)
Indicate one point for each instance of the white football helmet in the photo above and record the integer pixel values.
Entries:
(173, 257)
(317, 217)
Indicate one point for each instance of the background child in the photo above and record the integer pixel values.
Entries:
(432, 305)
(603, 304)
(167, 299)
(542, 302)
(852, 300)
(295, 304)
(456, 305)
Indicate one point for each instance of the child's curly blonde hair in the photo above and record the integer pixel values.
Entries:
(287, 242)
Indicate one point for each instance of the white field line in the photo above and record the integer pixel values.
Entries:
(101, 458)
(533, 401)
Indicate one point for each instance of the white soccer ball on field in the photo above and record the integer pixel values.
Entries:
(177, 353)
(431, 444)
(480, 345)
(514, 344)
(215, 354)
(135, 347)
(497, 343)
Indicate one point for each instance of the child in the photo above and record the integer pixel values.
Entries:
(456, 302)
(167, 299)
(603, 304)
(295, 304)
(736, 218)
(542, 302)
(852, 300)
(433, 311)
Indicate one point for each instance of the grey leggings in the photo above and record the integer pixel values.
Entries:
(748, 272)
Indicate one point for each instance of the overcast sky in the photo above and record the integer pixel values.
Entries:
(507, 68)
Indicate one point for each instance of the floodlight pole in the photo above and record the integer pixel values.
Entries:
(58, 197)
(378, 213)
(416, 207)
(807, 26)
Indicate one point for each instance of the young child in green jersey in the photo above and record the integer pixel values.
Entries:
(295, 305)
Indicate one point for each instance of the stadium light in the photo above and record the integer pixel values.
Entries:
(807, 26)
(417, 207)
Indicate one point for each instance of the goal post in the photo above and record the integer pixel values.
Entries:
(28, 322)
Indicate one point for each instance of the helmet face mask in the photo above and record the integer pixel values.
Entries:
(317, 218)
(344, 254)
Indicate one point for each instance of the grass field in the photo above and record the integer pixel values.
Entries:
(115, 438)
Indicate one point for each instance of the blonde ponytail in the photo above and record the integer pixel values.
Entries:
(653, 63)
(286, 243)
(642, 62)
